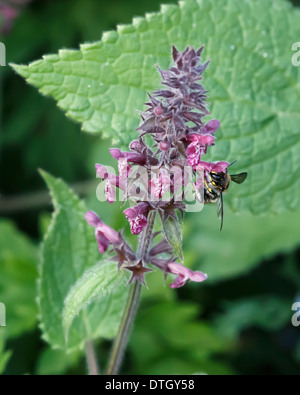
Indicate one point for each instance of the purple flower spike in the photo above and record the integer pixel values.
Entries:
(136, 217)
(184, 274)
(104, 234)
(159, 167)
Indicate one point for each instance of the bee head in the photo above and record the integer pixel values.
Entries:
(220, 180)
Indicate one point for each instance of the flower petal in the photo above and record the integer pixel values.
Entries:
(184, 274)
(92, 219)
(102, 241)
(211, 126)
(112, 236)
(110, 192)
(116, 153)
(220, 167)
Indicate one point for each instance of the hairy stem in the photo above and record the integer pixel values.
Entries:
(91, 359)
(132, 303)
(146, 237)
(125, 326)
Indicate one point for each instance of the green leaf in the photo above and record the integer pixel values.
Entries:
(56, 362)
(268, 312)
(173, 234)
(68, 250)
(4, 355)
(18, 257)
(244, 242)
(179, 344)
(254, 88)
(97, 283)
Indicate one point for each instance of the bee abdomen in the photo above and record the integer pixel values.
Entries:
(210, 195)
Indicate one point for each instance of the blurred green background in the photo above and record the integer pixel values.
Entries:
(238, 322)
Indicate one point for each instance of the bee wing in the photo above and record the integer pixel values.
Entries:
(239, 178)
(220, 210)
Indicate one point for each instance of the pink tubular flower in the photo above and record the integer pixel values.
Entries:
(102, 172)
(198, 147)
(184, 274)
(116, 153)
(112, 181)
(217, 167)
(160, 185)
(124, 168)
(105, 235)
(200, 141)
(136, 217)
(211, 126)
(194, 152)
(133, 157)
(110, 192)
(204, 139)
